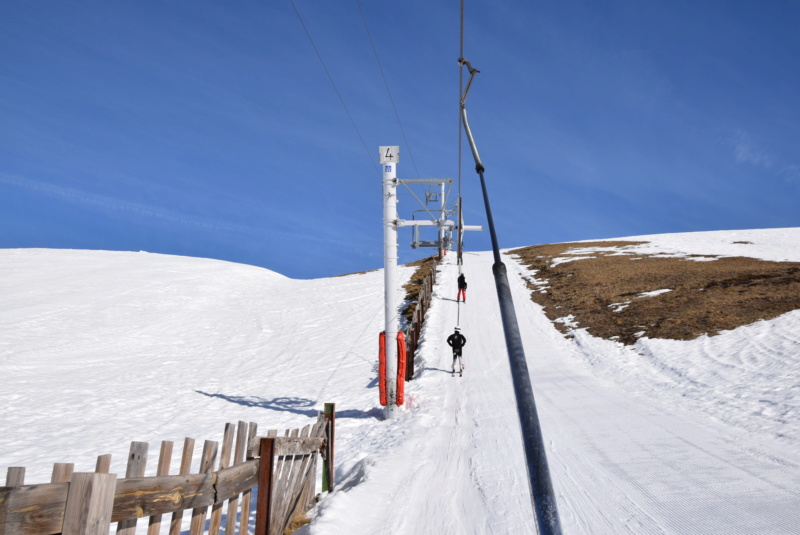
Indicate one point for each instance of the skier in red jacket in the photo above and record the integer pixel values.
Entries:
(462, 288)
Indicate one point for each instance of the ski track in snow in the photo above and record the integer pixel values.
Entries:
(101, 348)
(664, 470)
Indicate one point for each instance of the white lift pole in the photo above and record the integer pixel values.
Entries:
(389, 157)
(442, 218)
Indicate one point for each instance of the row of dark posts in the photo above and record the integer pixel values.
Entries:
(414, 330)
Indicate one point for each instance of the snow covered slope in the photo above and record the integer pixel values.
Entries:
(99, 348)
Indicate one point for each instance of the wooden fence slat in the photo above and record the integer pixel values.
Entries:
(89, 504)
(297, 446)
(185, 468)
(164, 460)
(300, 491)
(237, 479)
(15, 476)
(33, 509)
(62, 472)
(227, 446)
(309, 494)
(252, 441)
(280, 484)
(198, 524)
(103, 465)
(252, 431)
(294, 490)
(238, 458)
(224, 462)
(146, 496)
(137, 461)
(294, 465)
(244, 525)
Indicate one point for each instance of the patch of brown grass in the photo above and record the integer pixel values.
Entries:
(603, 292)
(298, 521)
(354, 273)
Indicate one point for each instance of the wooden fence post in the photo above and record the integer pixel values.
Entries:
(103, 465)
(185, 468)
(327, 465)
(15, 476)
(164, 459)
(209, 457)
(137, 461)
(224, 462)
(62, 472)
(238, 458)
(264, 499)
(244, 525)
(90, 502)
(409, 355)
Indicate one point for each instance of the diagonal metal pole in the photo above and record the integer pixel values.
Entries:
(541, 486)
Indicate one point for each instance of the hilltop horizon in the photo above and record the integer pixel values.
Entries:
(99, 348)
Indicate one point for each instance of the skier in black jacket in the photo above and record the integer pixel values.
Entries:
(457, 341)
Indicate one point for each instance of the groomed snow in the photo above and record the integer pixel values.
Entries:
(98, 349)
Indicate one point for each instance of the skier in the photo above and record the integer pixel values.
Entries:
(457, 341)
(462, 288)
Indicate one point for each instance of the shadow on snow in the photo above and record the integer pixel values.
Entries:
(302, 406)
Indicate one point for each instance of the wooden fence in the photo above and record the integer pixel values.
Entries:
(281, 470)
(414, 330)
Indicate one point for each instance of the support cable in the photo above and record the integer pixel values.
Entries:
(460, 236)
(388, 91)
(541, 486)
(424, 206)
(338, 94)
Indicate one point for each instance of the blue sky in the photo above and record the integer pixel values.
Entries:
(211, 129)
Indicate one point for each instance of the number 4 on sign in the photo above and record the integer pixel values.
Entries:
(389, 154)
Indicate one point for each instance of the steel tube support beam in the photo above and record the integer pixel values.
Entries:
(423, 223)
(423, 180)
(541, 487)
(542, 494)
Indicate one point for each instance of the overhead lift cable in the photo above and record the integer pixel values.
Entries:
(541, 486)
(397, 116)
(388, 91)
(460, 234)
(338, 94)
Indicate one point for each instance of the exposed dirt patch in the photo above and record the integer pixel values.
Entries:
(298, 521)
(354, 273)
(606, 291)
